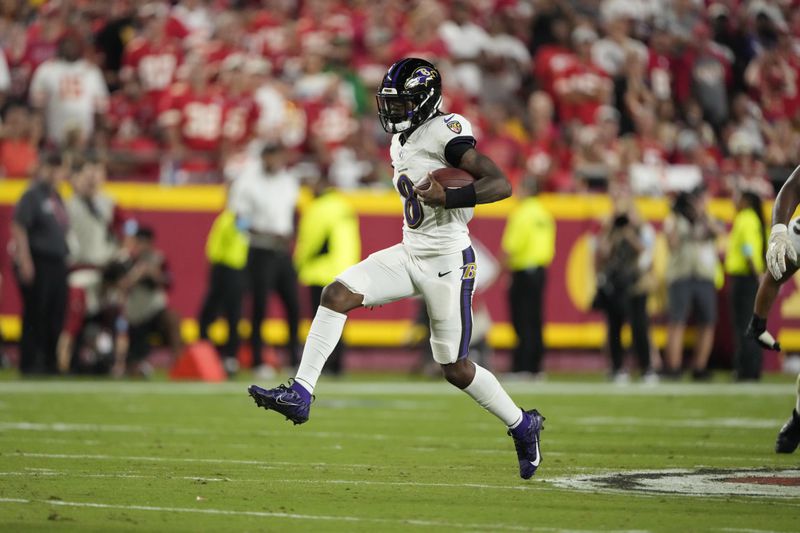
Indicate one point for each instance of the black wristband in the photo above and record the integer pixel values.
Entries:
(461, 197)
(758, 324)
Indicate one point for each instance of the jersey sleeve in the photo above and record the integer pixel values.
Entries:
(25, 210)
(39, 85)
(454, 136)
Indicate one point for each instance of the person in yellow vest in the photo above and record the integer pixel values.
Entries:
(744, 264)
(529, 241)
(226, 250)
(328, 242)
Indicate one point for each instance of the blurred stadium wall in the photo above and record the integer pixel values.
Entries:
(182, 217)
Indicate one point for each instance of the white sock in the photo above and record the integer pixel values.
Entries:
(325, 332)
(487, 391)
(797, 404)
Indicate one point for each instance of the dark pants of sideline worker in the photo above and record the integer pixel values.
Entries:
(44, 303)
(633, 308)
(526, 296)
(224, 297)
(269, 270)
(747, 359)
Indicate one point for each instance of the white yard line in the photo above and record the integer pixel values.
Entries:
(292, 516)
(356, 482)
(147, 458)
(59, 427)
(383, 388)
(728, 423)
(121, 475)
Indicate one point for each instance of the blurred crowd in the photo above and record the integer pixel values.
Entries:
(577, 94)
(631, 97)
(95, 287)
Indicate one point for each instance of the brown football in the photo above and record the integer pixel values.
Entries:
(449, 177)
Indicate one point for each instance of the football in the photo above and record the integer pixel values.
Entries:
(449, 177)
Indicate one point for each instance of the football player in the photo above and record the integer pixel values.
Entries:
(784, 243)
(435, 259)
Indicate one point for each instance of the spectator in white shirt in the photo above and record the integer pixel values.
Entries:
(72, 93)
(264, 197)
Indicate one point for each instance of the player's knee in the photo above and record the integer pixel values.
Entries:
(459, 374)
(337, 297)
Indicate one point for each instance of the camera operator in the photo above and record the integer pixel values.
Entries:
(623, 262)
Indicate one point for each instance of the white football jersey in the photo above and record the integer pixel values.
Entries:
(794, 235)
(428, 230)
(70, 93)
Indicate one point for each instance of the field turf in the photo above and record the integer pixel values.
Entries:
(381, 454)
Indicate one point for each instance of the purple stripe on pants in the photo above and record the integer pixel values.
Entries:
(467, 286)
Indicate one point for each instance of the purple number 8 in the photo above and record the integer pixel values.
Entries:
(412, 209)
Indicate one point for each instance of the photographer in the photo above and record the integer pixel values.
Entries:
(623, 262)
(691, 271)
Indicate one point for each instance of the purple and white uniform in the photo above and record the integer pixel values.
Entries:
(435, 259)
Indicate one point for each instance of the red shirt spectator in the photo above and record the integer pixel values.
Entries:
(241, 114)
(42, 38)
(551, 61)
(582, 87)
(196, 113)
(19, 137)
(192, 115)
(704, 72)
(135, 154)
(329, 124)
(269, 34)
(659, 65)
(152, 58)
(773, 83)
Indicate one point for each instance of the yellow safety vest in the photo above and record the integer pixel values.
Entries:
(328, 239)
(529, 239)
(227, 244)
(745, 242)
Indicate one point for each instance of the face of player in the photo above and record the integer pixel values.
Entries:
(397, 111)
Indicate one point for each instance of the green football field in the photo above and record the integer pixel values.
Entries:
(394, 454)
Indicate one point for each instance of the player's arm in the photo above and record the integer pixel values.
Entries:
(765, 297)
(491, 184)
(780, 246)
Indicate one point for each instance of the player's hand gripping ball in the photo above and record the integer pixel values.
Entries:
(430, 190)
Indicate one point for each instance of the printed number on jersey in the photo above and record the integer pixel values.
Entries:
(412, 209)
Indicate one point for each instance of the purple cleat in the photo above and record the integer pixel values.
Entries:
(284, 400)
(527, 445)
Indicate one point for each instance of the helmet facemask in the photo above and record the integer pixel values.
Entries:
(409, 96)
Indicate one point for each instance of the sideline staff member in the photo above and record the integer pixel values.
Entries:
(744, 263)
(265, 198)
(529, 242)
(328, 241)
(39, 232)
(226, 249)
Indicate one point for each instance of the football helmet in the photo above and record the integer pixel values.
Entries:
(410, 94)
